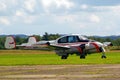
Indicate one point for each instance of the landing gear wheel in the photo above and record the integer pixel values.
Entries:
(103, 57)
(64, 57)
(82, 57)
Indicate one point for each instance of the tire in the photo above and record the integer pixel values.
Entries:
(64, 57)
(103, 57)
(82, 57)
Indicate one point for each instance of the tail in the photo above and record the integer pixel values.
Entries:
(10, 42)
(32, 40)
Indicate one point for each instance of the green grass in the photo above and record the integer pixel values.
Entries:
(24, 57)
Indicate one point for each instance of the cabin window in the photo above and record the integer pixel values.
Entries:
(72, 39)
(63, 40)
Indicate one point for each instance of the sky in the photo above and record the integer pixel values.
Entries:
(85, 17)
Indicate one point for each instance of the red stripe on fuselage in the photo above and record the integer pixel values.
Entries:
(96, 46)
(79, 49)
(76, 45)
(71, 44)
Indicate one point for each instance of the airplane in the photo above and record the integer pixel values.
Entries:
(65, 45)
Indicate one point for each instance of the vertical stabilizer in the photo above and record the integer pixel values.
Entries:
(32, 40)
(10, 42)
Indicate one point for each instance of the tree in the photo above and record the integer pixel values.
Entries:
(38, 37)
(116, 43)
(45, 36)
(20, 40)
(53, 36)
(108, 40)
(2, 41)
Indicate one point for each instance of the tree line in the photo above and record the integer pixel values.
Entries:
(47, 36)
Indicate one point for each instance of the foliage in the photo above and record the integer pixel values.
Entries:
(117, 43)
(2, 41)
(38, 37)
(19, 40)
(47, 36)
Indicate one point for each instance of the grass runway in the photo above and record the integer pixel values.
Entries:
(46, 65)
(36, 57)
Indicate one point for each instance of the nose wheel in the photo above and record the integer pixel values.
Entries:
(64, 56)
(82, 57)
(103, 56)
(103, 52)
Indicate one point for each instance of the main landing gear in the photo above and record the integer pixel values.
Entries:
(83, 52)
(82, 57)
(103, 56)
(64, 56)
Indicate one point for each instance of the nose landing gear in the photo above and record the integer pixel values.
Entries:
(103, 52)
(103, 56)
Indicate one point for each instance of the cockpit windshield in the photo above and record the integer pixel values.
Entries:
(83, 38)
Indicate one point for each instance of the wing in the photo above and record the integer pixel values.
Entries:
(59, 46)
(52, 44)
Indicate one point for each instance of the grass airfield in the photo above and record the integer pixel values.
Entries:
(46, 65)
(36, 57)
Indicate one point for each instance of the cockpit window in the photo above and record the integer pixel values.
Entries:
(83, 38)
(72, 39)
(63, 40)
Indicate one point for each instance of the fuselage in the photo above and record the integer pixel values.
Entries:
(63, 46)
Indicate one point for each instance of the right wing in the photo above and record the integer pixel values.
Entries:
(59, 46)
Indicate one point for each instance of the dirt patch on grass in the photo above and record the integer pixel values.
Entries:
(61, 72)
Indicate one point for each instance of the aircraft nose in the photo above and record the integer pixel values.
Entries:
(99, 44)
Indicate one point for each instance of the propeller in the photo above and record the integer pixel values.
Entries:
(107, 45)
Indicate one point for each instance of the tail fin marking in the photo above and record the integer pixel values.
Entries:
(10, 42)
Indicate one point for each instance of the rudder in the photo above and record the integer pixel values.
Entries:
(32, 40)
(10, 42)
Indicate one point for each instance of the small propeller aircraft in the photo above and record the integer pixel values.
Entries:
(63, 46)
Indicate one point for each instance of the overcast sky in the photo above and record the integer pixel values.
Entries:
(85, 17)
